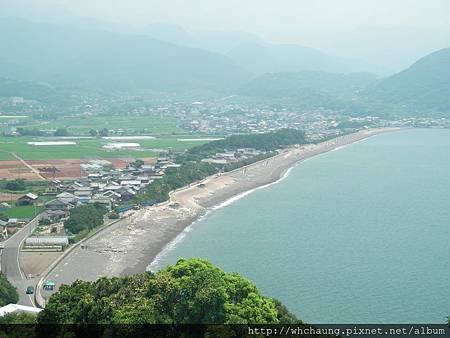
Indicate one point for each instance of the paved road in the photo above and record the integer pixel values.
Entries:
(10, 265)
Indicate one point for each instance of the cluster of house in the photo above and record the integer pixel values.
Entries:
(105, 185)
(228, 157)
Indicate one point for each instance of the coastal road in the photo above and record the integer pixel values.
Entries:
(10, 263)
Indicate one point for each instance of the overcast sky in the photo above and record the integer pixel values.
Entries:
(394, 33)
(275, 20)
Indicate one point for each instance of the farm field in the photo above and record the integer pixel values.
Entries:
(12, 169)
(26, 211)
(154, 136)
(124, 124)
(89, 148)
(66, 169)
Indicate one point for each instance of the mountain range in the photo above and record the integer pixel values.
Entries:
(257, 56)
(264, 58)
(311, 88)
(88, 58)
(425, 86)
(38, 57)
(420, 89)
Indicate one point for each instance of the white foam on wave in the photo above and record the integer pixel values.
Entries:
(338, 148)
(155, 265)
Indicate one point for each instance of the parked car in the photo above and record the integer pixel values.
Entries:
(30, 290)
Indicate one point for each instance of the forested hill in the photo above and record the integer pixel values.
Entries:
(421, 90)
(424, 87)
(260, 58)
(267, 142)
(314, 89)
(90, 58)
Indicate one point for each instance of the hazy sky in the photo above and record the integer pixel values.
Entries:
(275, 20)
(389, 33)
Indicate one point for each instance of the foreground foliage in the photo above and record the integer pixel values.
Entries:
(18, 318)
(192, 291)
(8, 293)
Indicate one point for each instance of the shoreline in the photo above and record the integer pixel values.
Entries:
(137, 242)
(154, 263)
(282, 168)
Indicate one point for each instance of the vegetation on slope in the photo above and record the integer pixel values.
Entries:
(96, 59)
(272, 58)
(310, 89)
(266, 142)
(191, 291)
(175, 178)
(422, 88)
(8, 293)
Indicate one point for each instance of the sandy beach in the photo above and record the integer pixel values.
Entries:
(129, 246)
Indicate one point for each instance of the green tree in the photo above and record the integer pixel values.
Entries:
(18, 318)
(85, 217)
(4, 217)
(266, 142)
(8, 293)
(61, 132)
(104, 132)
(191, 291)
(16, 185)
(137, 164)
(175, 178)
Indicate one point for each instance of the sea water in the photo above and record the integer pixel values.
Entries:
(356, 235)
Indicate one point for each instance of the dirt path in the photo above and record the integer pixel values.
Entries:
(29, 166)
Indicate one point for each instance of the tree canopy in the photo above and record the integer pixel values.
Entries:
(267, 142)
(191, 291)
(61, 132)
(85, 217)
(18, 318)
(175, 178)
(8, 293)
(15, 185)
(4, 217)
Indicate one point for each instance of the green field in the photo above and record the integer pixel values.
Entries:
(127, 124)
(27, 211)
(166, 131)
(88, 148)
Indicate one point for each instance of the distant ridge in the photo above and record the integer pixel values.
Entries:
(262, 58)
(92, 58)
(310, 88)
(425, 86)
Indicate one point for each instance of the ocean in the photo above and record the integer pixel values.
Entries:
(360, 234)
